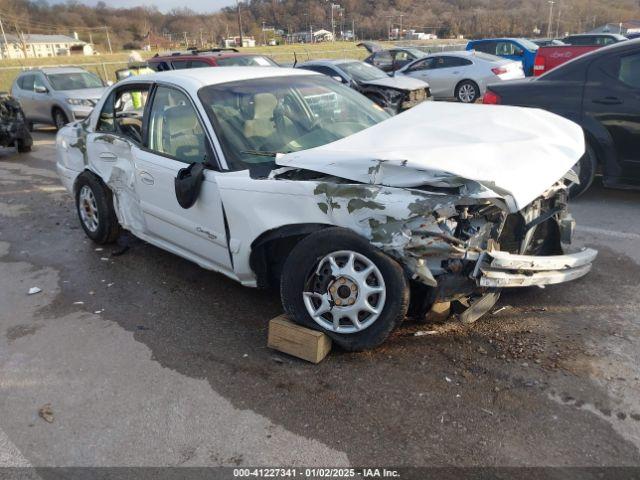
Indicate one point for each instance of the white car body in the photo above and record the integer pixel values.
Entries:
(470, 65)
(381, 183)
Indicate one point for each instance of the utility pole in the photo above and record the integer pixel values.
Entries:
(353, 29)
(558, 19)
(239, 22)
(186, 40)
(400, 34)
(106, 29)
(551, 2)
(4, 37)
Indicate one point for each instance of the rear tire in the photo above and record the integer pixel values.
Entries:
(467, 91)
(59, 118)
(302, 273)
(586, 171)
(22, 147)
(94, 204)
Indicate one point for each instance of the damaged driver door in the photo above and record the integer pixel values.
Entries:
(175, 139)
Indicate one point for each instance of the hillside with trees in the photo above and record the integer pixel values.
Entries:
(372, 19)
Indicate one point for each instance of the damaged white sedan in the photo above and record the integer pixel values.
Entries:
(279, 177)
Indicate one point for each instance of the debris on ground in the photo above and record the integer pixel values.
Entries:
(78, 303)
(501, 309)
(34, 290)
(448, 379)
(421, 333)
(46, 413)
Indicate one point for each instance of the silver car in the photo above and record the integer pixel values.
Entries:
(57, 96)
(462, 75)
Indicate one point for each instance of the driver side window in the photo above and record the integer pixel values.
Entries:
(175, 130)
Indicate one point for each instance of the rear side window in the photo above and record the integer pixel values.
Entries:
(179, 65)
(486, 47)
(454, 62)
(122, 112)
(629, 70)
(199, 64)
(322, 69)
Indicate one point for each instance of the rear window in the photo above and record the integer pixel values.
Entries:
(246, 61)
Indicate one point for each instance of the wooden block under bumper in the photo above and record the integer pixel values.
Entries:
(293, 339)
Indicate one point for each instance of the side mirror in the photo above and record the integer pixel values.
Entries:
(337, 78)
(40, 89)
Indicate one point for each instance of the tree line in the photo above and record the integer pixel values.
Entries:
(371, 19)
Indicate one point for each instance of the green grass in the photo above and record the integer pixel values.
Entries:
(106, 65)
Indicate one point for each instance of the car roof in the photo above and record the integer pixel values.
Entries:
(190, 56)
(516, 39)
(329, 62)
(603, 34)
(195, 78)
(53, 70)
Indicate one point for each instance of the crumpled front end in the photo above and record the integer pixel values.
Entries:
(472, 246)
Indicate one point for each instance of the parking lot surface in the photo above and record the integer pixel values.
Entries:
(146, 359)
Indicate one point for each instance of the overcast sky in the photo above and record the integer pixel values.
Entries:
(165, 5)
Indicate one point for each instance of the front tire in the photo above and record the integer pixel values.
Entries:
(94, 204)
(467, 91)
(59, 118)
(335, 281)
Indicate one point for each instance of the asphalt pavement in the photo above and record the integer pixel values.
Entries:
(131, 356)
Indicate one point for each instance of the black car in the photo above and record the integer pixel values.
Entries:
(600, 91)
(587, 39)
(390, 60)
(395, 94)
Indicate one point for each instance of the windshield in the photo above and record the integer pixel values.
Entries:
(416, 52)
(528, 44)
(246, 61)
(74, 81)
(257, 118)
(362, 72)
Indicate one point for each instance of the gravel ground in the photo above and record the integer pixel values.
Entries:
(146, 359)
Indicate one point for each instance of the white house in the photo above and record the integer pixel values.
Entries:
(36, 45)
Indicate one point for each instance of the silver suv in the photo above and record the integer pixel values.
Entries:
(57, 95)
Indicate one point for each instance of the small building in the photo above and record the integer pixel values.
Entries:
(623, 28)
(316, 36)
(231, 42)
(37, 46)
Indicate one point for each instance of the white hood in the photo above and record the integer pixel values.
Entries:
(401, 83)
(516, 152)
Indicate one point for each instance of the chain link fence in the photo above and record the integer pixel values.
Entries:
(106, 70)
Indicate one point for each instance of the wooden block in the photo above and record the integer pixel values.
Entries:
(439, 312)
(296, 340)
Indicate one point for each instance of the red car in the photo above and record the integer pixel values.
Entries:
(217, 57)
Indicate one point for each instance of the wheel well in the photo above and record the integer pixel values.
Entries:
(85, 172)
(270, 250)
(54, 108)
(597, 149)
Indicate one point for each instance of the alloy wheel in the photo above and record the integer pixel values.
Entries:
(346, 293)
(88, 209)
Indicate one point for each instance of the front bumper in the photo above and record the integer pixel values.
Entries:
(498, 269)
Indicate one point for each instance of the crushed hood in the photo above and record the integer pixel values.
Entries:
(518, 153)
(400, 83)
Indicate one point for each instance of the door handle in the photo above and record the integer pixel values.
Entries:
(146, 177)
(108, 156)
(608, 101)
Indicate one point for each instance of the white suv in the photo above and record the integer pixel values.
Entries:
(281, 177)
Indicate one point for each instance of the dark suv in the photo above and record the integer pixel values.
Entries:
(217, 57)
